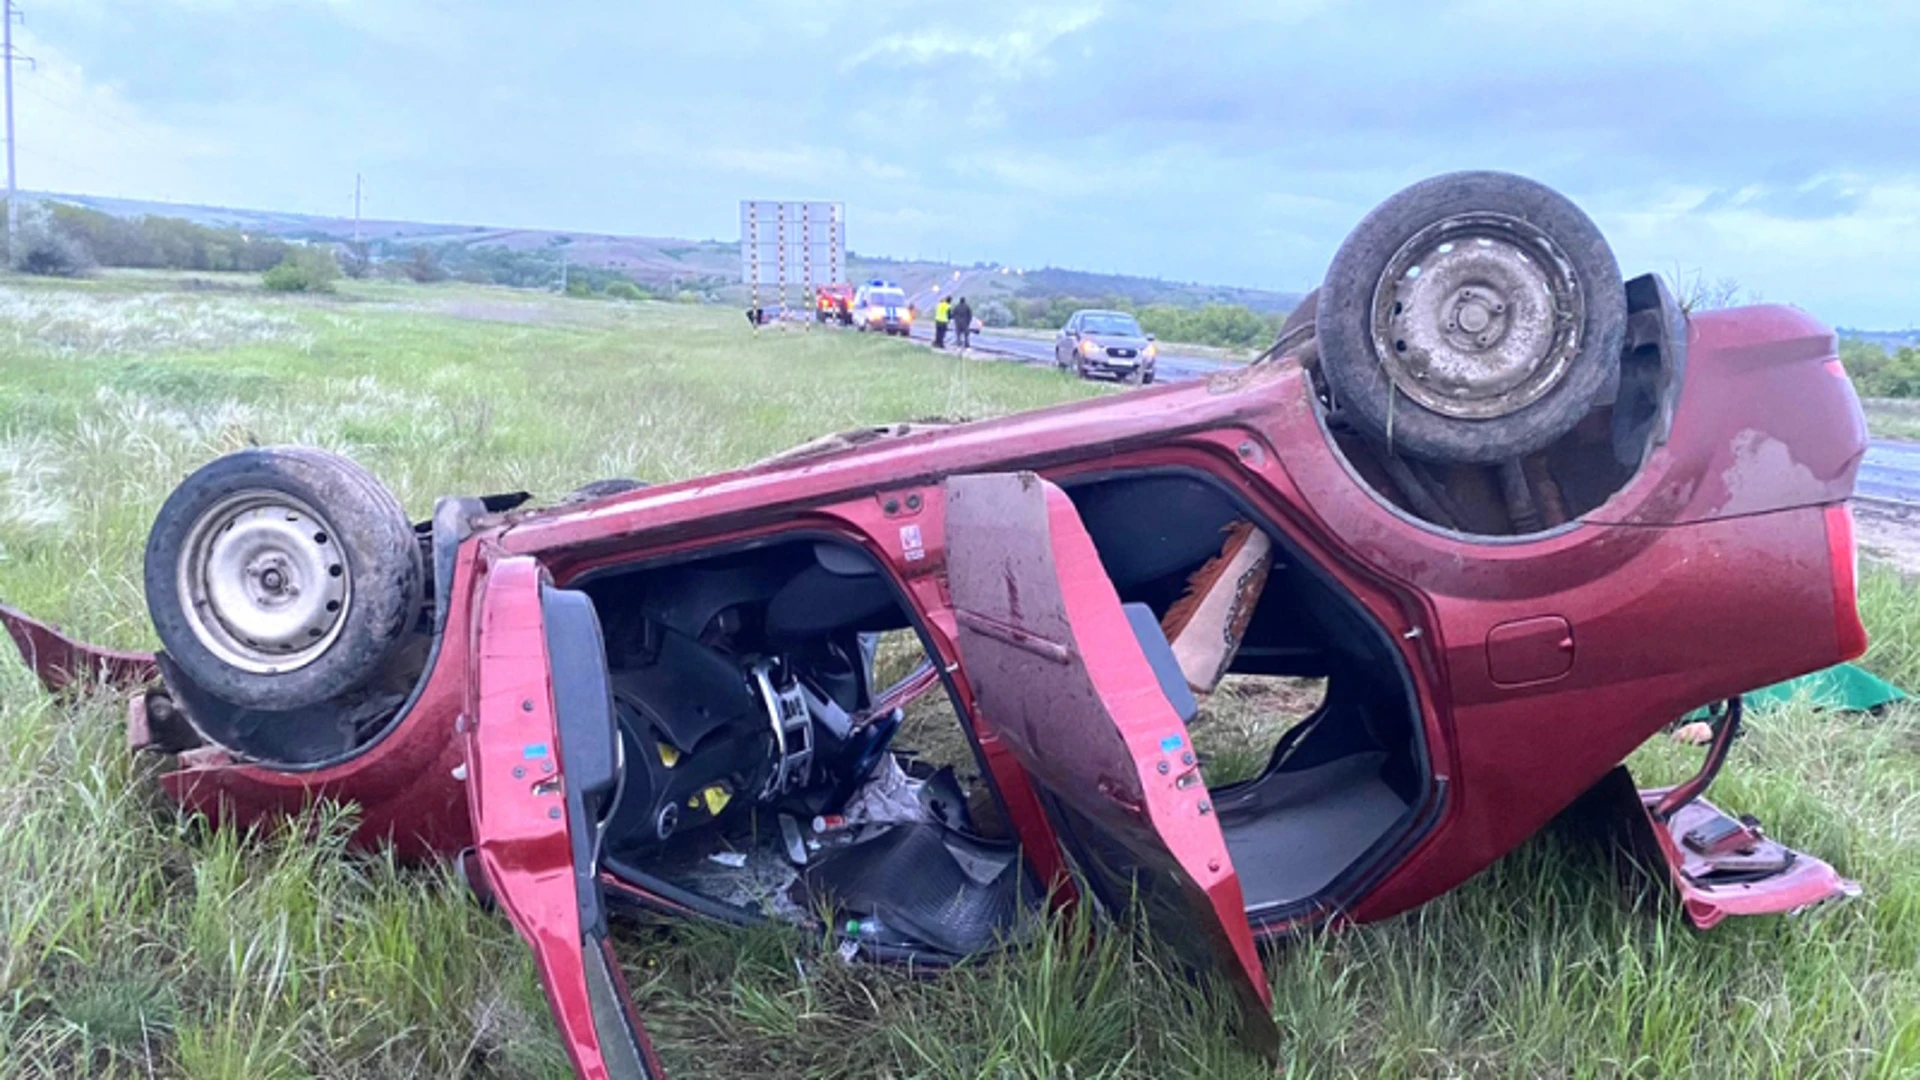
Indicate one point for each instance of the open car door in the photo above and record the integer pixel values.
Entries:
(543, 763)
(1061, 673)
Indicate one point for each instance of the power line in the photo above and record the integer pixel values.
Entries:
(79, 113)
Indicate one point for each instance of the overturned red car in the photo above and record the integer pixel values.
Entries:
(1517, 513)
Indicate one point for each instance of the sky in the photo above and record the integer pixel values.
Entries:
(1772, 143)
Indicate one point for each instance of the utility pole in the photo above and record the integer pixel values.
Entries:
(13, 189)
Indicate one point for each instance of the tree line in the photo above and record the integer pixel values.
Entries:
(1233, 326)
(63, 239)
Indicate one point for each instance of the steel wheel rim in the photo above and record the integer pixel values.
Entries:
(1477, 316)
(263, 582)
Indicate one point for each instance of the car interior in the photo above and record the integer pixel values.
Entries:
(767, 773)
(1340, 784)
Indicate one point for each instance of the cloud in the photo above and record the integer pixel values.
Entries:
(80, 134)
(1816, 200)
(1775, 141)
(1019, 46)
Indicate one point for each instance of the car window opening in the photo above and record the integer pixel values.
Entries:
(788, 753)
(1305, 721)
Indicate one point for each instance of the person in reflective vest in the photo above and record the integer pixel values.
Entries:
(942, 311)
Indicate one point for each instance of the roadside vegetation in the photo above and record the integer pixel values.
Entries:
(137, 941)
(1231, 326)
(1880, 372)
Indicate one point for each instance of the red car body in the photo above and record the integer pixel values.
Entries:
(1539, 663)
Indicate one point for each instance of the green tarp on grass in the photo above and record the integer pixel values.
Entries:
(1842, 688)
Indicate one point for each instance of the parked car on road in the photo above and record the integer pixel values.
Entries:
(1108, 343)
(687, 699)
(881, 306)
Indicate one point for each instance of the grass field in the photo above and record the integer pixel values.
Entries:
(136, 942)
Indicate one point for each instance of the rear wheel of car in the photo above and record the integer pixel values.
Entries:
(281, 576)
(1473, 317)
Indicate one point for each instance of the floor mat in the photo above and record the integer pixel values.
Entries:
(959, 896)
(1291, 833)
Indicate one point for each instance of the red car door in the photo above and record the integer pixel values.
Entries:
(1057, 670)
(542, 766)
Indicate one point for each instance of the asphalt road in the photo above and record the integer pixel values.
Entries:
(1889, 476)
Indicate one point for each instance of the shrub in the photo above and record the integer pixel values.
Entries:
(996, 313)
(41, 247)
(623, 290)
(1878, 372)
(424, 265)
(305, 269)
(356, 260)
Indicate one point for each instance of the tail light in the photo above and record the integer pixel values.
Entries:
(1843, 562)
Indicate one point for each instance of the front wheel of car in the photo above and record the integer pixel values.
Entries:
(1474, 317)
(279, 577)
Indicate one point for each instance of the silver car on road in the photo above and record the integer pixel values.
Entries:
(1108, 343)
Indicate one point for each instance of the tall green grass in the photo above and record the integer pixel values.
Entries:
(135, 941)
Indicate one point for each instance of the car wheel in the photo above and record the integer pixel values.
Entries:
(281, 577)
(1474, 317)
(1147, 379)
(1297, 330)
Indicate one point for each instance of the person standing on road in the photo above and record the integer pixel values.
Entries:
(962, 322)
(942, 311)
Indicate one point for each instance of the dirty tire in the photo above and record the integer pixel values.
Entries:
(1356, 375)
(1298, 329)
(366, 531)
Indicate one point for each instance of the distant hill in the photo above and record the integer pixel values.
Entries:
(666, 261)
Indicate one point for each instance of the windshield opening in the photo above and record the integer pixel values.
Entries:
(1117, 325)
